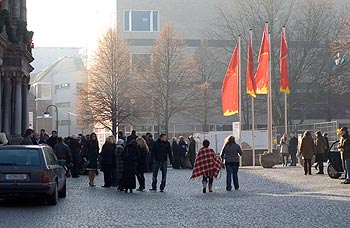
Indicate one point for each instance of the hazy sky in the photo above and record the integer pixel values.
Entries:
(69, 23)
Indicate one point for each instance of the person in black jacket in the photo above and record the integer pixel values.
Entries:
(192, 150)
(75, 148)
(131, 137)
(130, 158)
(53, 139)
(176, 154)
(108, 156)
(292, 148)
(160, 152)
(141, 163)
(62, 151)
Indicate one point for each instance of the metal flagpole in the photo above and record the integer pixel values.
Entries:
(240, 94)
(285, 114)
(269, 98)
(253, 111)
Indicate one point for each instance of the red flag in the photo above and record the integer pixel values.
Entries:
(284, 83)
(229, 92)
(250, 69)
(261, 78)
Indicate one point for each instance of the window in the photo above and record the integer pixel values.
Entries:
(20, 157)
(43, 91)
(65, 122)
(61, 86)
(141, 21)
(63, 105)
(50, 156)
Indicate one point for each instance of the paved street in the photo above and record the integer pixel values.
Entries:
(279, 197)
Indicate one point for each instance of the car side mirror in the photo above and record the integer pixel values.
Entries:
(61, 162)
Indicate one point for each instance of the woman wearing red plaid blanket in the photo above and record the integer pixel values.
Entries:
(206, 165)
(230, 154)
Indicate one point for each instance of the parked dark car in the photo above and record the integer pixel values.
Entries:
(31, 171)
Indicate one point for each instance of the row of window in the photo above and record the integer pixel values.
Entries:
(43, 90)
(141, 21)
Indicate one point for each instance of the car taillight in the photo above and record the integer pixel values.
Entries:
(46, 176)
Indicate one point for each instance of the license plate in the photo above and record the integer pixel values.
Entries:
(16, 177)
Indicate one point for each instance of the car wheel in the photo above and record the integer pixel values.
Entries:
(52, 200)
(63, 192)
(332, 173)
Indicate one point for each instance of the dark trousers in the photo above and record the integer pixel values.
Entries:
(107, 175)
(163, 167)
(183, 161)
(206, 178)
(114, 181)
(294, 158)
(231, 174)
(75, 169)
(141, 179)
(307, 166)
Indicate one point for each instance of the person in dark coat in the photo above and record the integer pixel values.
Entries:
(117, 178)
(121, 136)
(150, 142)
(36, 139)
(53, 139)
(293, 148)
(62, 151)
(326, 152)
(75, 149)
(183, 150)
(131, 137)
(130, 158)
(141, 163)
(320, 146)
(176, 154)
(307, 150)
(43, 136)
(344, 146)
(27, 140)
(192, 150)
(91, 152)
(160, 152)
(108, 157)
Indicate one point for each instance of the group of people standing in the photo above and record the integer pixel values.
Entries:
(180, 148)
(317, 146)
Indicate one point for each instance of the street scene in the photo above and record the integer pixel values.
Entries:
(153, 113)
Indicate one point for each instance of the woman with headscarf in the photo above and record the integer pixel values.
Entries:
(91, 152)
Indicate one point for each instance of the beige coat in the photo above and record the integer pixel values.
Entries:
(307, 147)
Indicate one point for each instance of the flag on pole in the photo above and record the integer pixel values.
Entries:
(284, 83)
(250, 69)
(229, 92)
(261, 79)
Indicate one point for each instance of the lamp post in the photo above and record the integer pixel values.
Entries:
(69, 123)
(47, 114)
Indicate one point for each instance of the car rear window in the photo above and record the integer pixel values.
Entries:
(19, 157)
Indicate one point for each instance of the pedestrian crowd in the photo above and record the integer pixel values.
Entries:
(125, 160)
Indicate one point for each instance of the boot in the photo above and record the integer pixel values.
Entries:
(210, 188)
(204, 186)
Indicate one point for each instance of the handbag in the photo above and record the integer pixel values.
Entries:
(86, 164)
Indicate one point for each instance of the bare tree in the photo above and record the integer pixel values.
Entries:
(208, 68)
(167, 80)
(105, 95)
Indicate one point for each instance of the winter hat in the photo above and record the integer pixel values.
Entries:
(74, 137)
(120, 142)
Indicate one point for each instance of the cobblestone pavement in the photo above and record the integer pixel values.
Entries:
(279, 197)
